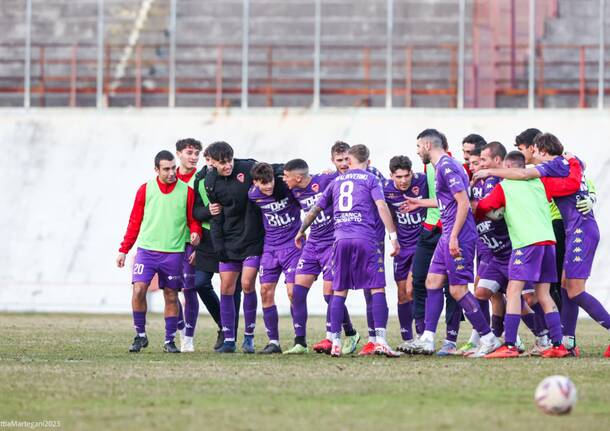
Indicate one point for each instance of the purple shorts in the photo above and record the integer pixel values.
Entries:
(493, 275)
(535, 263)
(168, 266)
(274, 262)
(402, 263)
(459, 270)
(357, 264)
(237, 266)
(188, 270)
(316, 259)
(580, 251)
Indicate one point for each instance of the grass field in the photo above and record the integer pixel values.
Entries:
(76, 369)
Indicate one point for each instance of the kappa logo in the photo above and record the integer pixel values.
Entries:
(577, 250)
(459, 267)
(577, 240)
(315, 187)
(577, 259)
(577, 231)
(296, 325)
(489, 186)
(448, 171)
(518, 262)
(380, 270)
(518, 253)
(240, 177)
(458, 259)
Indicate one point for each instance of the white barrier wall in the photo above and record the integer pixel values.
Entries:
(72, 175)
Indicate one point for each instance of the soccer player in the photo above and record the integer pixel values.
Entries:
(316, 256)
(582, 232)
(187, 152)
(454, 254)
(357, 197)
(529, 224)
(237, 237)
(426, 244)
(281, 220)
(161, 213)
(405, 183)
(471, 143)
(206, 259)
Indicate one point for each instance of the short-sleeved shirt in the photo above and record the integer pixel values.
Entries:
(492, 234)
(451, 178)
(353, 195)
(408, 225)
(322, 228)
(281, 218)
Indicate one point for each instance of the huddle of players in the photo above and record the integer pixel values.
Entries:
(430, 218)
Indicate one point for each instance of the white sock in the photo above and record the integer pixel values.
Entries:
(427, 336)
(329, 335)
(450, 342)
(336, 338)
(188, 339)
(475, 338)
(380, 335)
(141, 334)
(276, 342)
(488, 338)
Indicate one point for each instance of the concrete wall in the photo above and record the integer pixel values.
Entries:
(72, 175)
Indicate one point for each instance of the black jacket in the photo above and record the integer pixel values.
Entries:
(237, 232)
(206, 258)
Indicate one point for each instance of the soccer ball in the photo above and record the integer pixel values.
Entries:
(495, 215)
(556, 395)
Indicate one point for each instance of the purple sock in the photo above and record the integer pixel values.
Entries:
(380, 310)
(347, 323)
(420, 325)
(249, 312)
(405, 318)
(530, 321)
(299, 305)
(569, 314)
(271, 319)
(328, 299)
(139, 321)
(553, 322)
(180, 317)
(497, 325)
(453, 326)
(470, 305)
(191, 311)
(227, 316)
(541, 328)
(484, 304)
(511, 327)
(369, 312)
(171, 325)
(594, 308)
(434, 307)
(337, 307)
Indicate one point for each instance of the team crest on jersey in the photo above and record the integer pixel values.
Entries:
(240, 177)
(315, 187)
(415, 190)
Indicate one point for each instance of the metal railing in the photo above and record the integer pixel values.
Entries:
(389, 74)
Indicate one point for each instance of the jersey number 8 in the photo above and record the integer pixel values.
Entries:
(345, 196)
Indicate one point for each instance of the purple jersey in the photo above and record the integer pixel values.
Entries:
(492, 234)
(408, 225)
(353, 197)
(379, 226)
(451, 178)
(322, 227)
(281, 218)
(572, 218)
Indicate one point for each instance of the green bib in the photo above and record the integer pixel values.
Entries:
(527, 212)
(164, 222)
(555, 214)
(433, 215)
(205, 199)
